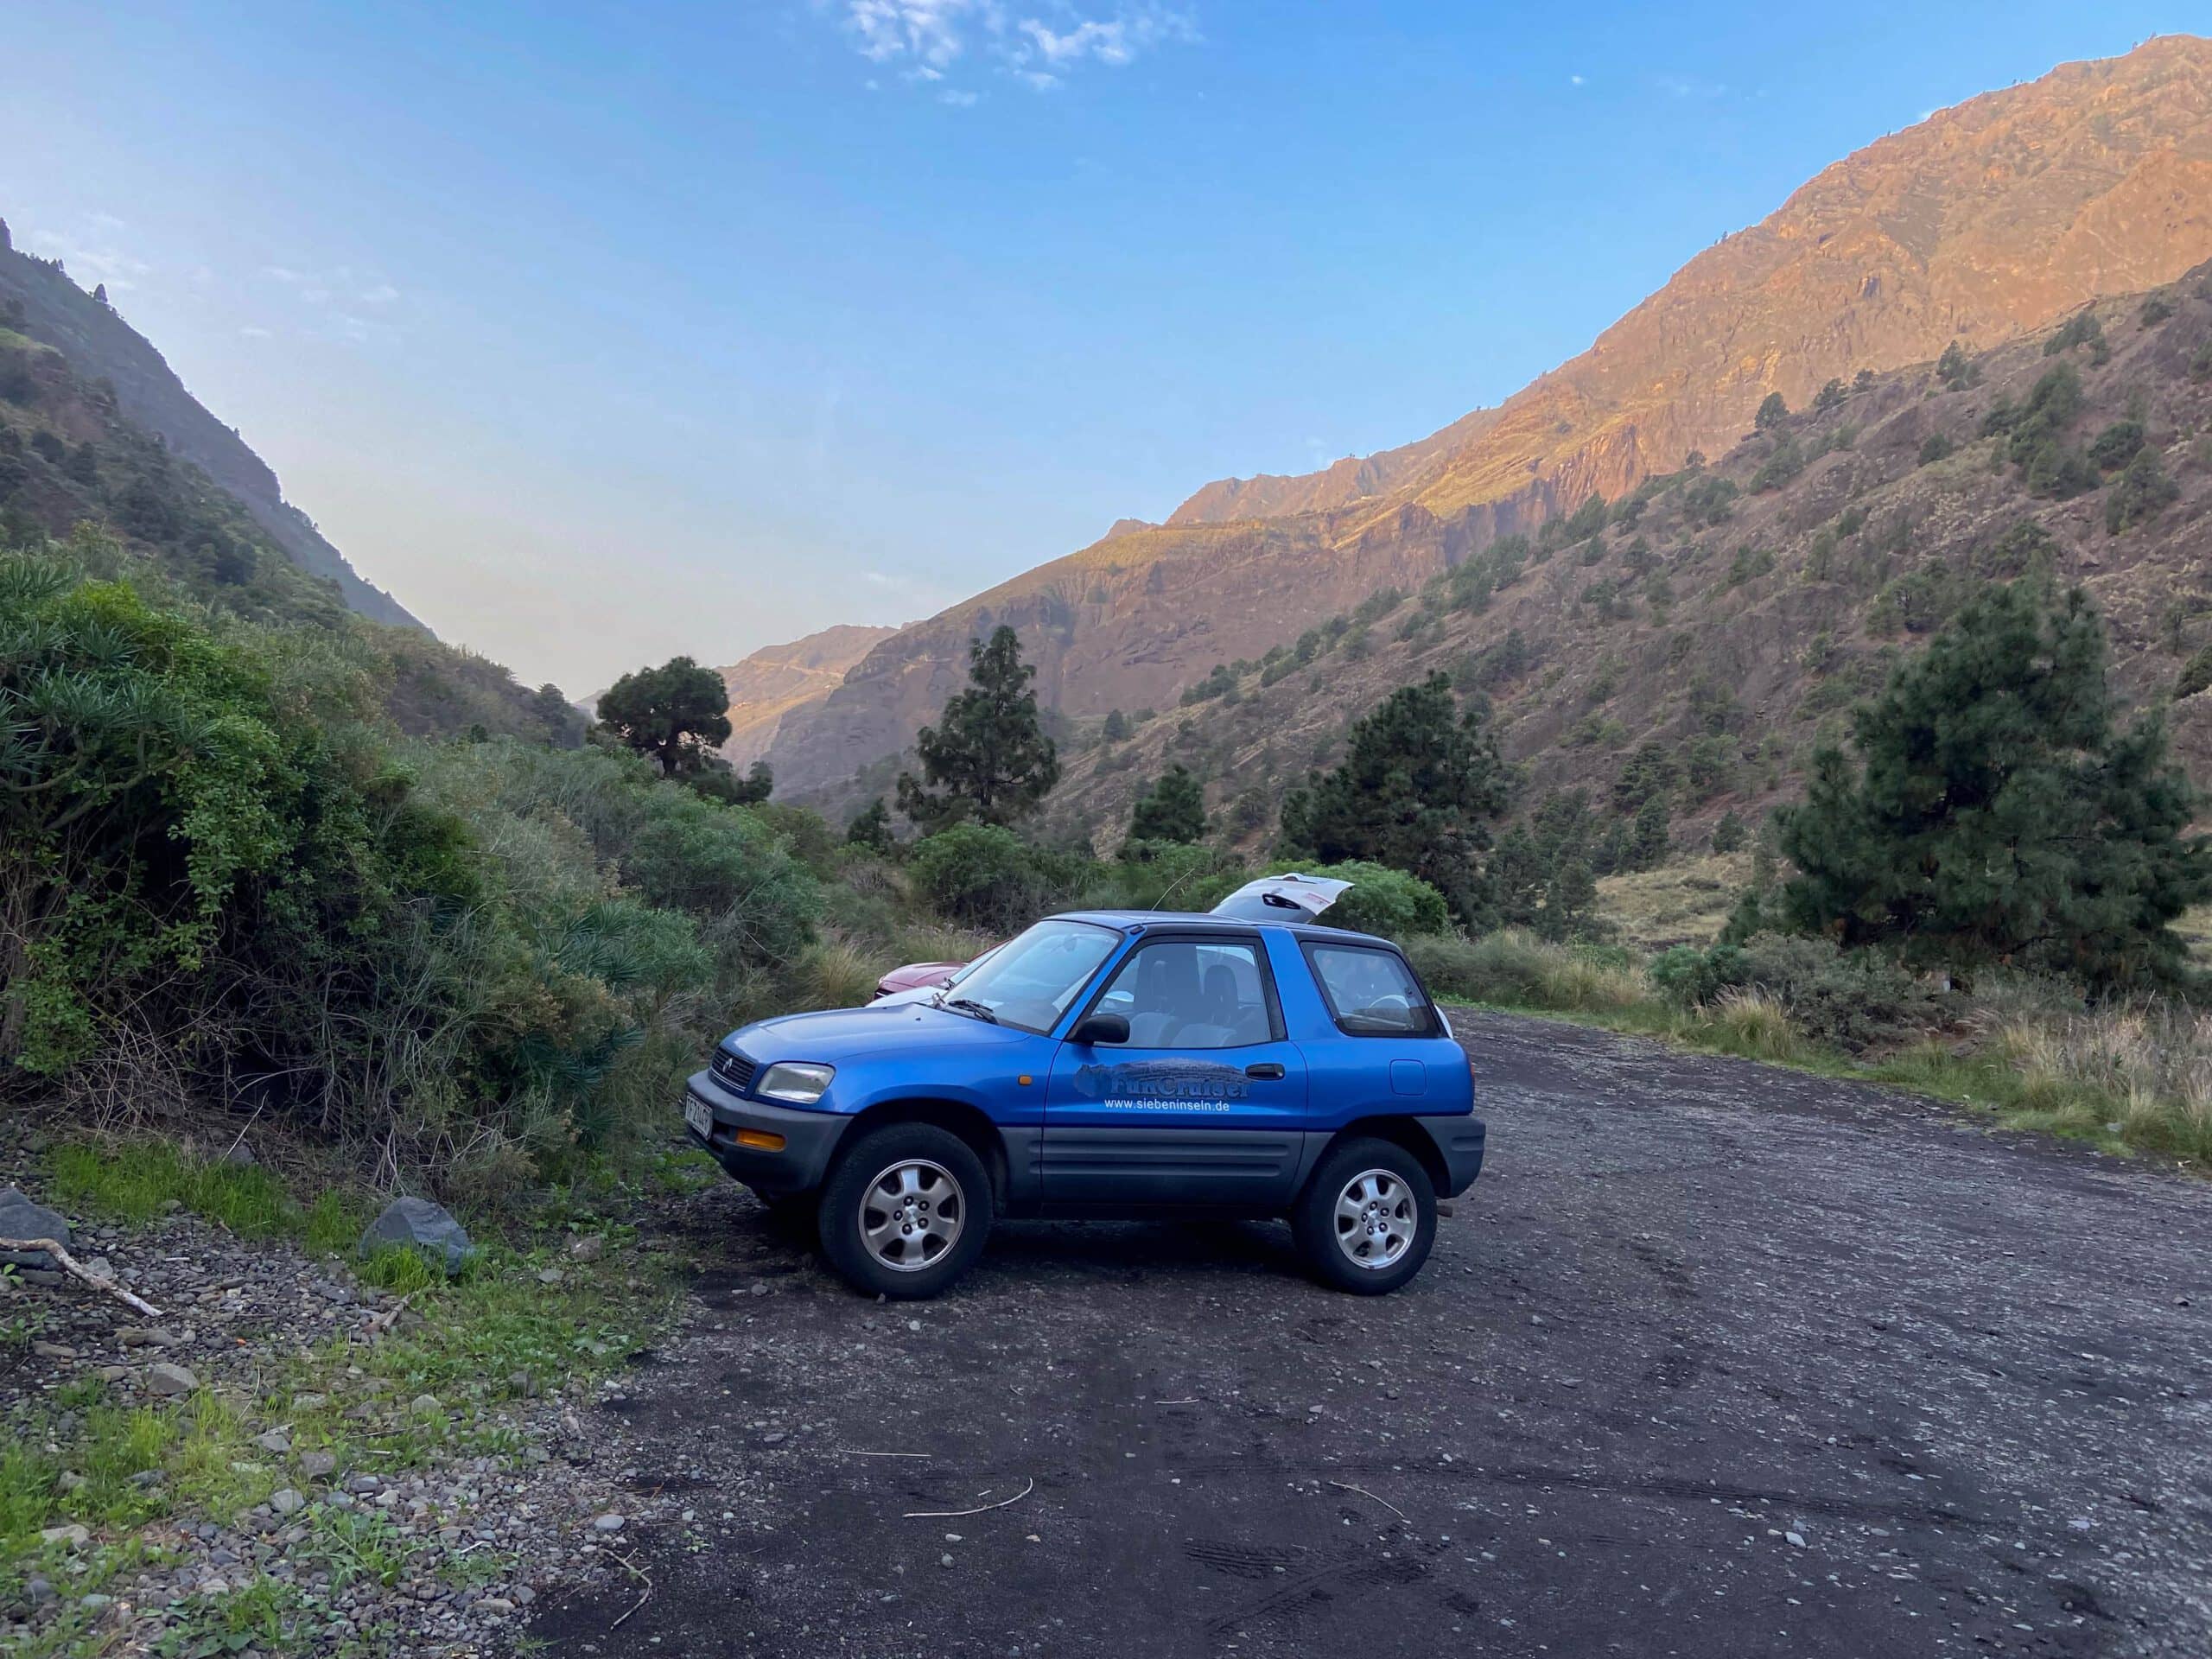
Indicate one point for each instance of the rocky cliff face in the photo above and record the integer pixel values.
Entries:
(101, 345)
(777, 678)
(1985, 221)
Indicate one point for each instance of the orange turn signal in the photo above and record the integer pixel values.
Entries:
(760, 1140)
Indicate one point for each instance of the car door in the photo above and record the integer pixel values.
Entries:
(1203, 1106)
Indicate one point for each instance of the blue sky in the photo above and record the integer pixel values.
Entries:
(599, 333)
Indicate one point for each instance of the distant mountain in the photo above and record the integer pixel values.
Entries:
(47, 306)
(775, 678)
(1983, 223)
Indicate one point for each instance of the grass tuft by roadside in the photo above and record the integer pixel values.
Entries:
(2126, 1077)
(104, 1482)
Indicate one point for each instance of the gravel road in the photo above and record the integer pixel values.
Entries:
(1713, 1360)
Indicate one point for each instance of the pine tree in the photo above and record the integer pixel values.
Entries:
(1116, 726)
(759, 783)
(1173, 809)
(1568, 900)
(1995, 813)
(677, 713)
(1729, 835)
(1954, 369)
(1830, 395)
(988, 758)
(1772, 413)
(1648, 842)
(1418, 791)
(871, 828)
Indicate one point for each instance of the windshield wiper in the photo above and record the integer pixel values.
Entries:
(969, 1005)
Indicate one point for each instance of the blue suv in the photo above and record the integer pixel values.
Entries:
(1112, 1063)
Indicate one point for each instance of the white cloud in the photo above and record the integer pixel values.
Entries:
(1574, 80)
(253, 332)
(932, 31)
(958, 99)
(381, 294)
(925, 38)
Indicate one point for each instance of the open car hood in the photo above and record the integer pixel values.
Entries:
(1282, 898)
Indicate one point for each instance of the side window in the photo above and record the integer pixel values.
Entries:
(1371, 993)
(1191, 993)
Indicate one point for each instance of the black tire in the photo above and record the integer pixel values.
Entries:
(1402, 1185)
(860, 1175)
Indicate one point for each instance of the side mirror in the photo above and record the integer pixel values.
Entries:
(1101, 1028)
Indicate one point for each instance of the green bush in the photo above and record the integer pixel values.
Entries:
(1853, 1000)
(1383, 902)
(231, 884)
(2143, 493)
(2117, 445)
(1688, 977)
(2195, 674)
(982, 876)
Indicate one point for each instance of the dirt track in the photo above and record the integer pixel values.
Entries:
(1713, 1360)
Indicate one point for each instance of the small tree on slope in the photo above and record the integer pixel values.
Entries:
(987, 758)
(1995, 814)
(677, 713)
(1418, 791)
(1173, 809)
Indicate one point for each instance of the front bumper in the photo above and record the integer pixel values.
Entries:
(810, 1138)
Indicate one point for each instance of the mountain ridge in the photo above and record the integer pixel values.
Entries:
(101, 346)
(1984, 222)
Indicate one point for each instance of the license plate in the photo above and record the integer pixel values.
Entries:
(701, 1120)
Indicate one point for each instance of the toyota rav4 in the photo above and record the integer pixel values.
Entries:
(1112, 1063)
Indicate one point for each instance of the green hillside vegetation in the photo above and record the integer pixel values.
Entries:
(73, 467)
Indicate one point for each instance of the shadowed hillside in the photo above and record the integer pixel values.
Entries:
(42, 302)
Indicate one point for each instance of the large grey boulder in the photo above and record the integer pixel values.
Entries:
(21, 1219)
(419, 1224)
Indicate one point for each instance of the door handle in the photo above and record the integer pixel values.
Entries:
(1264, 1069)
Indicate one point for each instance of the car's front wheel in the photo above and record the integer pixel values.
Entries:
(1367, 1217)
(907, 1211)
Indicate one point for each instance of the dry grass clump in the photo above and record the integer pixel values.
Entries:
(1687, 903)
(1518, 969)
(2141, 1074)
(836, 973)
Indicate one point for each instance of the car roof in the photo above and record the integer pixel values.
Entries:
(1205, 922)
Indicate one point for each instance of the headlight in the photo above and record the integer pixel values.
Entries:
(801, 1084)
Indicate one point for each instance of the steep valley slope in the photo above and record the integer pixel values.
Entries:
(98, 434)
(1984, 223)
(1728, 614)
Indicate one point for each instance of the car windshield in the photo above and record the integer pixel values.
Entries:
(1030, 982)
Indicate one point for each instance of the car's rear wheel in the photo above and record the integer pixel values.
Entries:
(907, 1211)
(1367, 1217)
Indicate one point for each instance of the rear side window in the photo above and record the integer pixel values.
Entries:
(1191, 993)
(1371, 993)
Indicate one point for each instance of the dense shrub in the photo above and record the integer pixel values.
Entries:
(228, 885)
(982, 874)
(1853, 1000)
(2143, 493)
